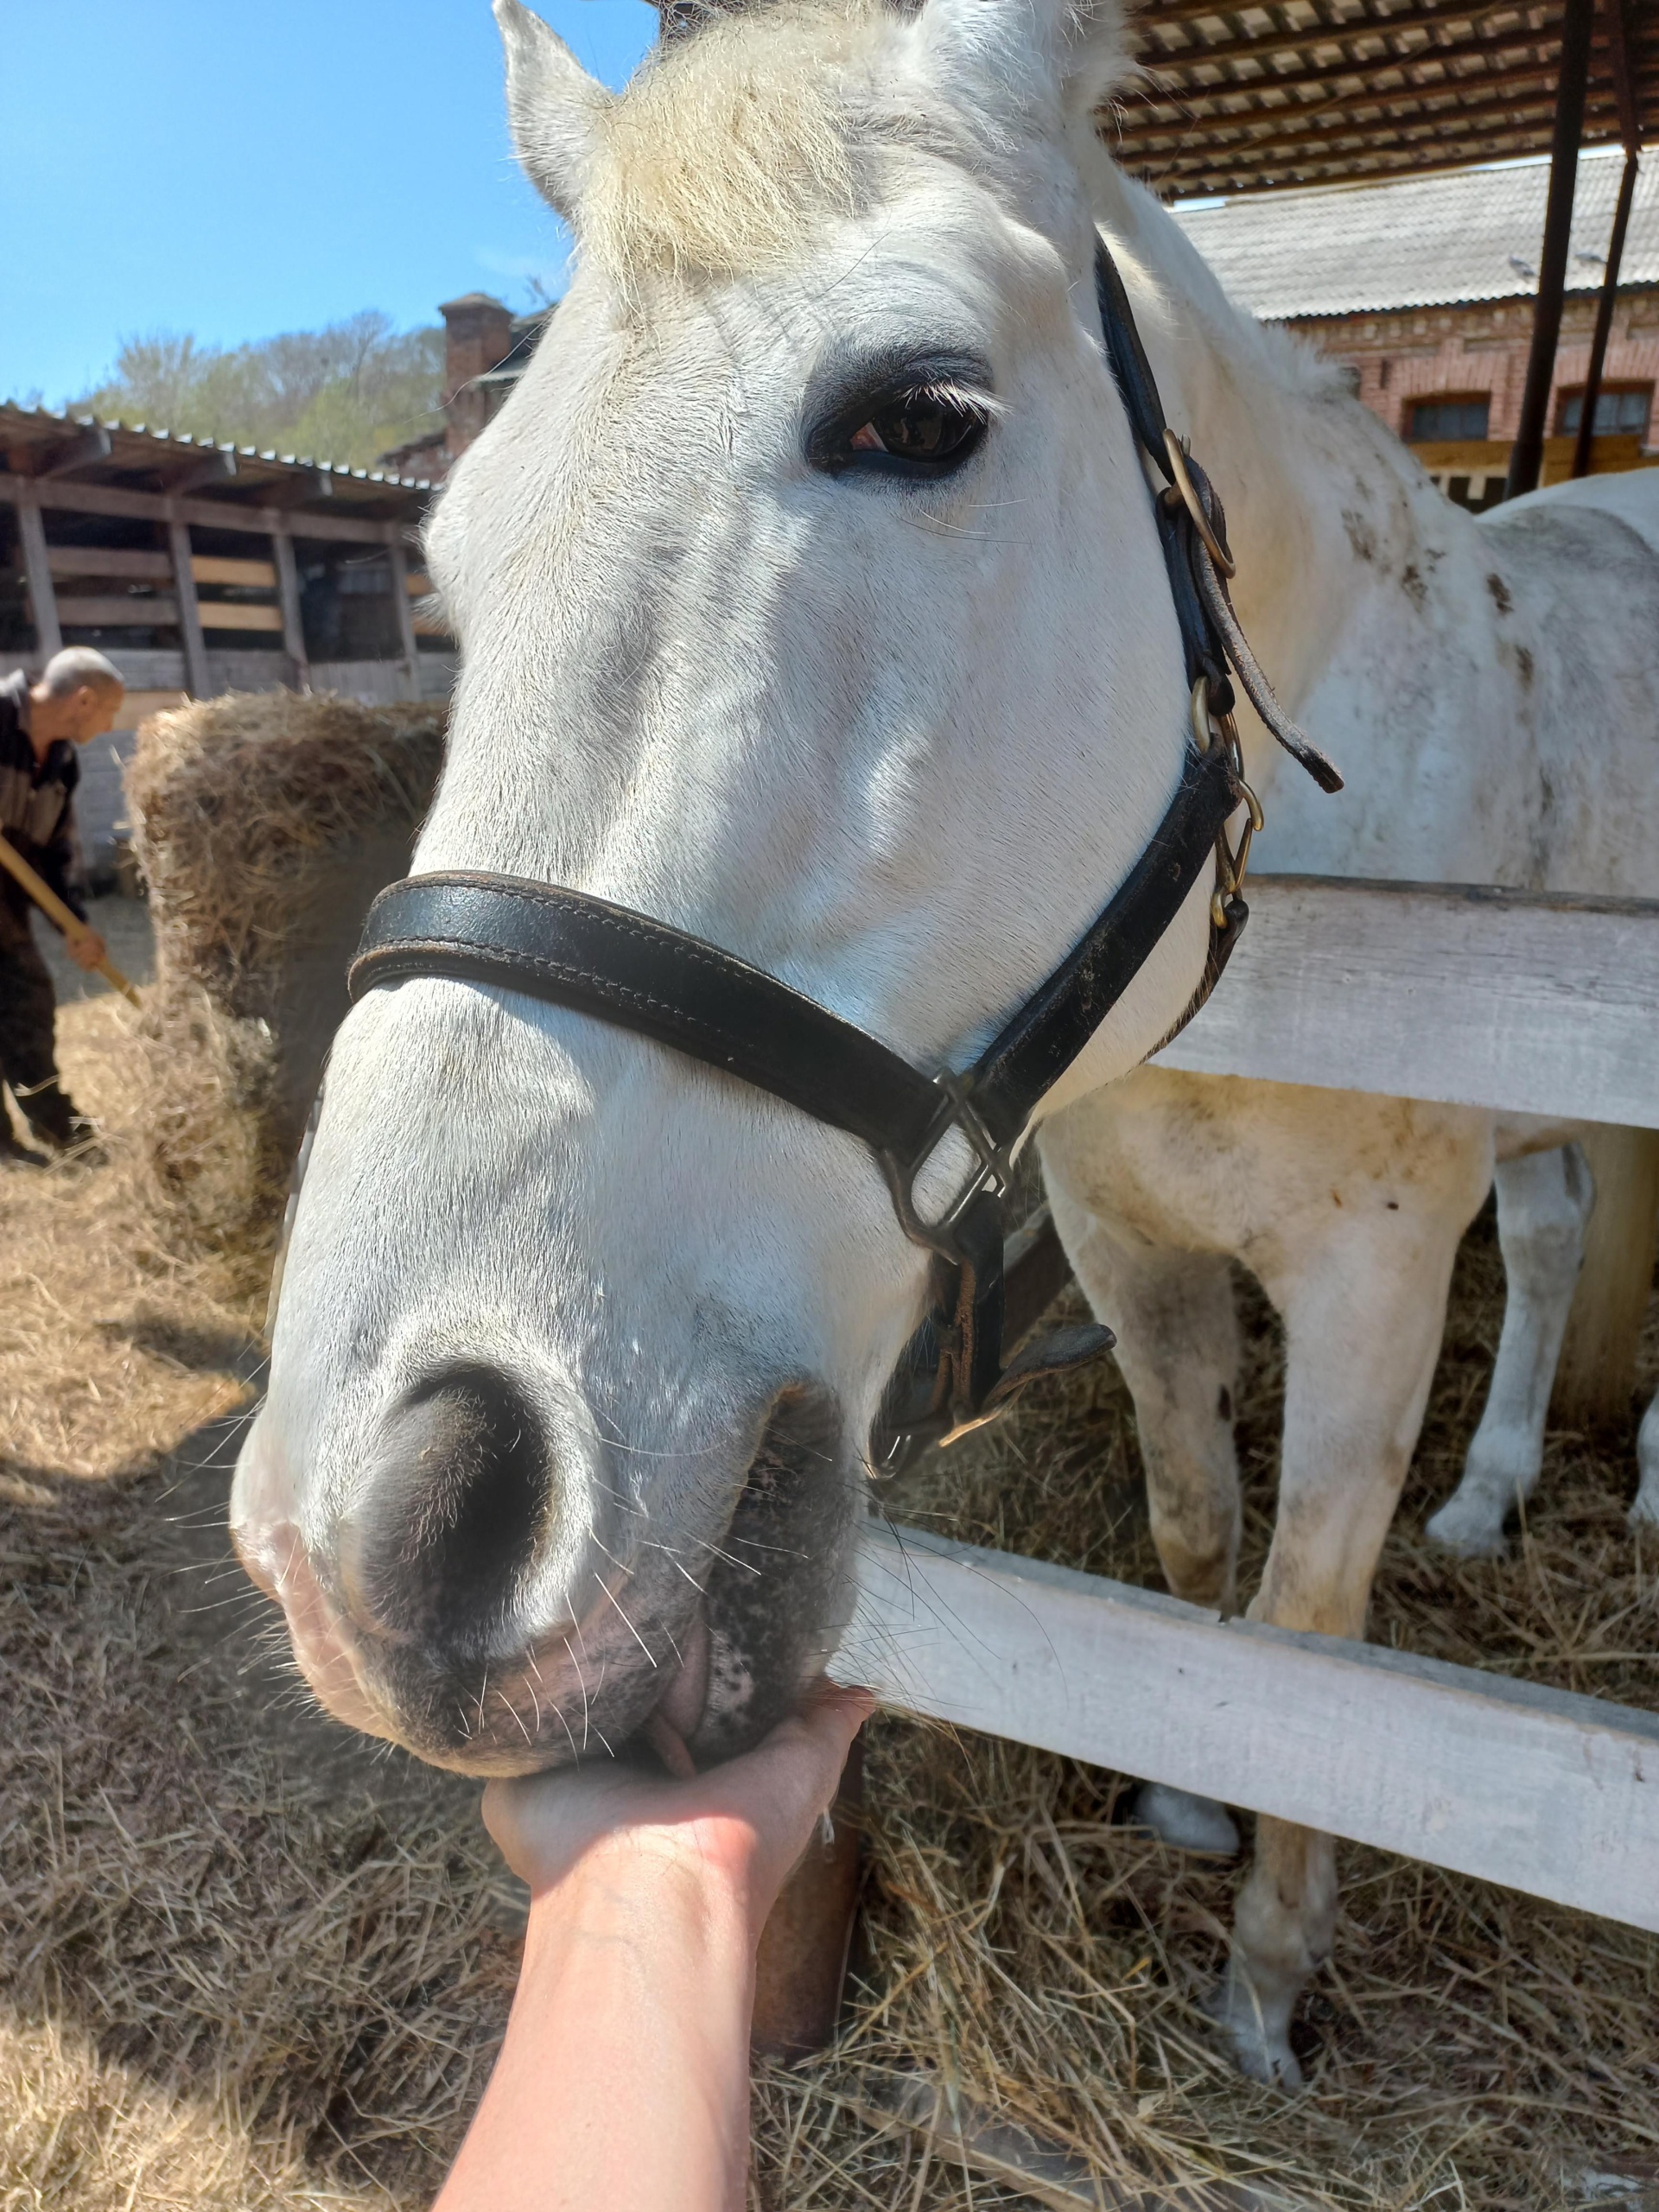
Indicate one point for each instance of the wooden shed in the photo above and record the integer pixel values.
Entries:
(201, 568)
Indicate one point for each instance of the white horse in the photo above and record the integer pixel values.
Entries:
(580, 1342)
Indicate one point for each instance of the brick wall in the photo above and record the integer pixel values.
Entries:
(478, 335)
(1421, 352)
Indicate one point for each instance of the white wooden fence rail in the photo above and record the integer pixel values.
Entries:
(1538, 1004)
(1545, 1792)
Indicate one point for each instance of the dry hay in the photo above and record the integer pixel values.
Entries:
(224, 1980)
(244, 1963)
(113, 1345)
(264, 822)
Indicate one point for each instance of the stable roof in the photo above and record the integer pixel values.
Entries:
(1434, 241)
(1301, 91)
(36, 442)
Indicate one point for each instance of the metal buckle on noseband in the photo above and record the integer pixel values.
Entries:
(994, 1174)
(952, 1348)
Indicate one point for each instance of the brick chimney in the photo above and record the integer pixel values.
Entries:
(478, 333)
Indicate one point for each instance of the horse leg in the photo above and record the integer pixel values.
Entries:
(1644, 1507)
(1544, 1203)
(1178, 1350)
(1364, 1318)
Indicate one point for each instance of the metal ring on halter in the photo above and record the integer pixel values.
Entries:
(1203, 731)
(1194, 505)
(1229, 865)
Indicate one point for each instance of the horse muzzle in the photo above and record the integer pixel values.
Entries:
(463, 1607)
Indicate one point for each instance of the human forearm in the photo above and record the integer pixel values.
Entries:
(623, 2082)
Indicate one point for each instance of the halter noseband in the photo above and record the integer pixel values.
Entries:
(575, 951)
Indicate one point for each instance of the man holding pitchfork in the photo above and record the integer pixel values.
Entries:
(77, 697)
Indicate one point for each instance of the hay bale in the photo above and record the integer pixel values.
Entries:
(264, 822)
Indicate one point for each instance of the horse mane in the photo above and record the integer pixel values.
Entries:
(1169, 277)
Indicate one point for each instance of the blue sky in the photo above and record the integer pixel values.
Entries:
(237, 167)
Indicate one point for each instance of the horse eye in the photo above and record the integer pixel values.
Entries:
(926, 432)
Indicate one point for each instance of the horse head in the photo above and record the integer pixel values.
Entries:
(810, 601)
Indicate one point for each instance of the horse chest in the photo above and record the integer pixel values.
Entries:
(1261, 1172)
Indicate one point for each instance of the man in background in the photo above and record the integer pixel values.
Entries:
(77, 697)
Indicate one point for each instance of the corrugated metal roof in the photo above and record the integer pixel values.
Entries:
(1432, 241)
(46, 436)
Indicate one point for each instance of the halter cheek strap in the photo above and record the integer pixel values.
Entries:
(575, 951)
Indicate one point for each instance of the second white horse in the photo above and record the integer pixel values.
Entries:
(1487, 690)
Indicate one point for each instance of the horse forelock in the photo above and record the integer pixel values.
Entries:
(731, 144)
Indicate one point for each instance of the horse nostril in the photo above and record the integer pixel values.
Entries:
(451, 1513)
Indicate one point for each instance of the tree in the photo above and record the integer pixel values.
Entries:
(345, 393)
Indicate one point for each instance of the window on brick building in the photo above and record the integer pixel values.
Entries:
(1620, 410)
(1462, 415)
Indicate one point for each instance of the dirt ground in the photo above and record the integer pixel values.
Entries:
(248, 1961)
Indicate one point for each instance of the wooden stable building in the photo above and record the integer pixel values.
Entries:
(201, 568)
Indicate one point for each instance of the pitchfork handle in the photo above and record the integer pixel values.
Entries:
(54, 910)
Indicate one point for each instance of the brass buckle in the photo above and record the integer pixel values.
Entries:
(1194, 505)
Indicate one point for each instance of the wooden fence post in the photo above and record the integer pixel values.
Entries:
(802, 1962)
(1597, 1372)
(37, 570)
(403, 610)
(190, 633)
(288, 592)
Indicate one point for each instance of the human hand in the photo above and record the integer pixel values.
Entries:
(86, 948)
(742, 1826)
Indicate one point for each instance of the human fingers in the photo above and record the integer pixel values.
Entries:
(780, 1790)
(763, 1804)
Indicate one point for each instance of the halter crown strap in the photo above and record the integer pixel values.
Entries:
(1131, 371)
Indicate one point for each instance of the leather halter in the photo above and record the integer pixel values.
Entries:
(575, 951)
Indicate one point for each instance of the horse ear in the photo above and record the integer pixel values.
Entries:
(1097, 59)
(1071, 52)
(554, 107)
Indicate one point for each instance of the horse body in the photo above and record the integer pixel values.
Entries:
(579, 1343)
(1487, 689)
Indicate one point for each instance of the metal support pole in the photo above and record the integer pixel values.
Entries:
(1605, 317)
(1527, 456)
